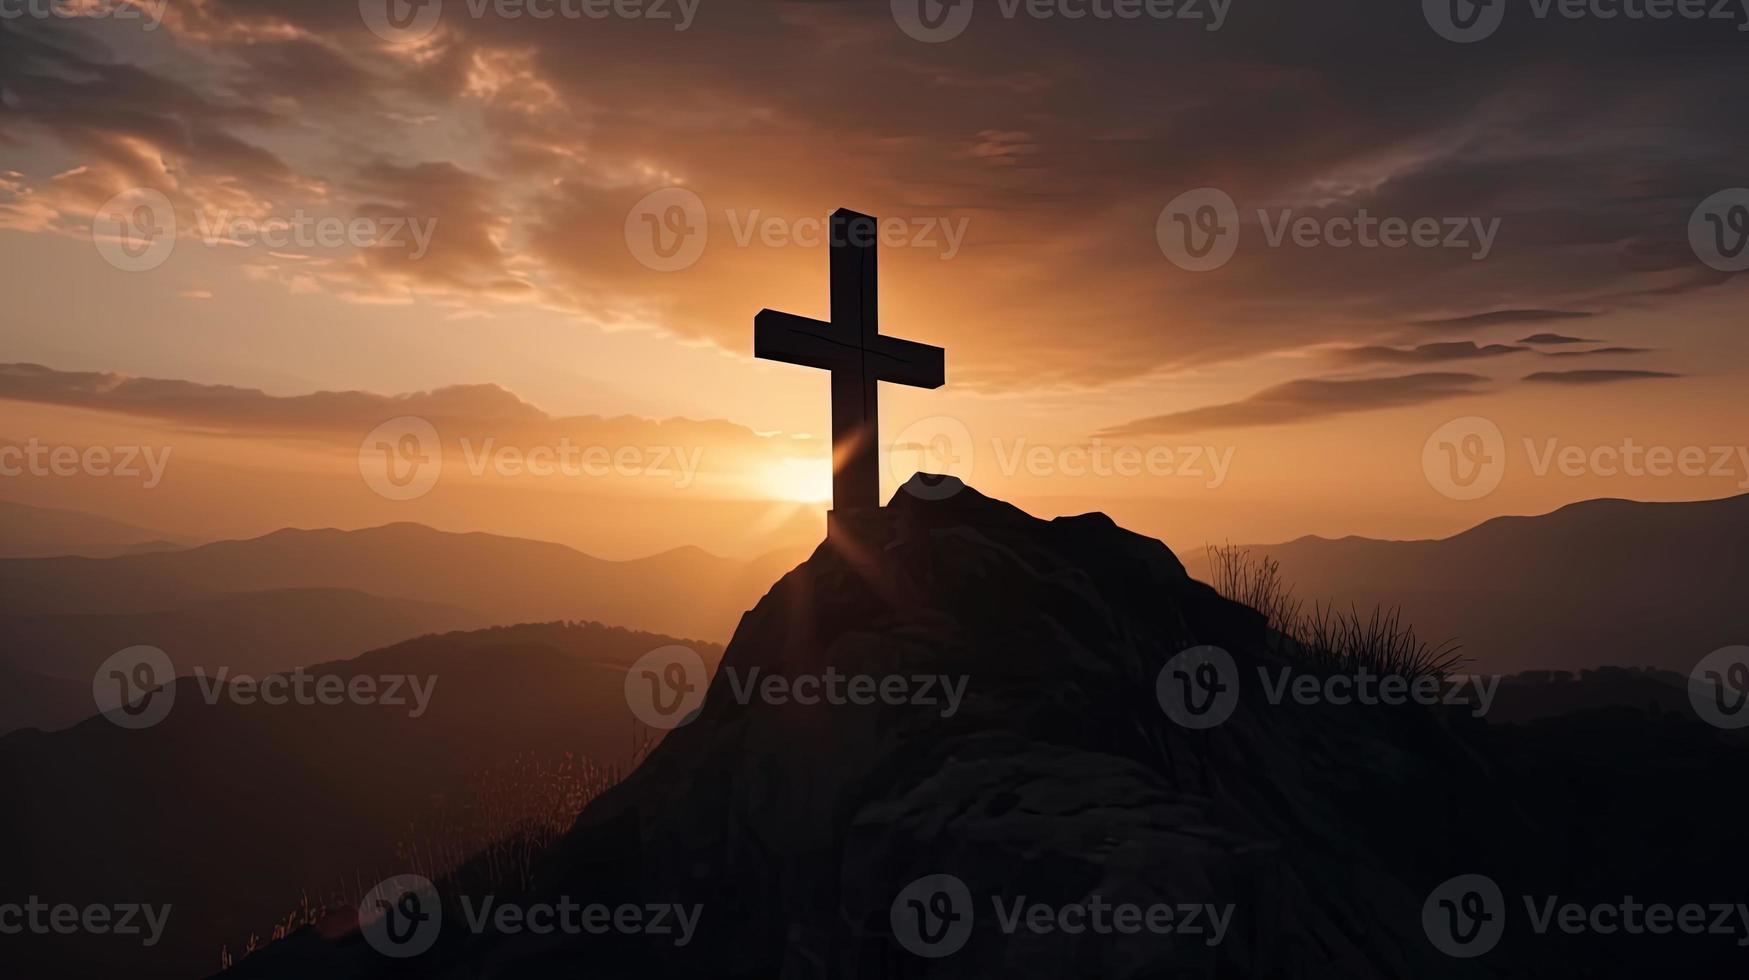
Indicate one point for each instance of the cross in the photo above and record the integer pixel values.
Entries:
(853, 349)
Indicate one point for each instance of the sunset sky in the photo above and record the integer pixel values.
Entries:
(1030, 168)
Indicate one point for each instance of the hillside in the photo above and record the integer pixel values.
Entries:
(231, 811)
(246, 632)
(893, 837)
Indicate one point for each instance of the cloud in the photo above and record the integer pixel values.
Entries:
(1598, 350)
(1060, 149)
(1593, 377)
(1454, 351)
(479, 410)
(1499, 318)
(1554, 338)
(1305, 400)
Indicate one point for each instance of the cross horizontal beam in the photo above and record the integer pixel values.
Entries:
(807, 342)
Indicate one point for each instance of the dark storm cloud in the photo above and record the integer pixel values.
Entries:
(1588, 142)
(1308, 399)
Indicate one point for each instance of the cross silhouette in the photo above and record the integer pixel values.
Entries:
(852, 348)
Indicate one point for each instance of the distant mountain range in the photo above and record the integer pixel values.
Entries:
(298, 597)
(230, 812)
(1602, 582)
(54, 655)
(46, 532)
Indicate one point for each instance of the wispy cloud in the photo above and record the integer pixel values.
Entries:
(1500, 318)
(1554, 338)
(1426, 353)
(1308, 399)
(1594, 377)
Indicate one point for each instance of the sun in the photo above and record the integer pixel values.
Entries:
(801, 480)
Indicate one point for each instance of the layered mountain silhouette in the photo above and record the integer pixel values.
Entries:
(47, 532)
(1597, 583)
(244, 632)
(684, 592)
(232, 811)
(799, 828)
(299, 597)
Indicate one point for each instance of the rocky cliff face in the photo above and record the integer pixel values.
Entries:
(1007, 788)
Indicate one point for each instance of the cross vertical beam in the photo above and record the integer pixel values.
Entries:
(852, 348)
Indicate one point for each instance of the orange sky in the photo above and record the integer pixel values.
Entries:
(494, 197)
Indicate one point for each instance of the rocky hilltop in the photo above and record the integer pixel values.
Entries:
(916, 831)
